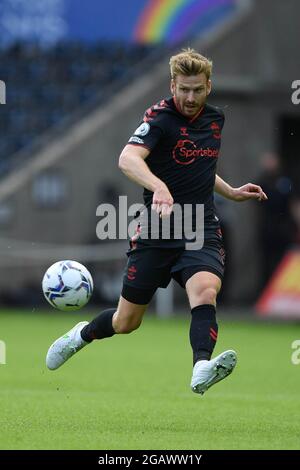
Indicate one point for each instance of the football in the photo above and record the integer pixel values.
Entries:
(67, 285)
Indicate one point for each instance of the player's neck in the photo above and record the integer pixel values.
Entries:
(189, 118)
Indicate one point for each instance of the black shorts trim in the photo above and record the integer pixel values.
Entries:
(136, 295)
(185, 274)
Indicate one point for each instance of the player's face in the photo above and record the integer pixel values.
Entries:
(190, 93)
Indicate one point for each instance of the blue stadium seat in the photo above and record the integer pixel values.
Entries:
(46, 86)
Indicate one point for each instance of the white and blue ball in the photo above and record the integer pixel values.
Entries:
(67, 285)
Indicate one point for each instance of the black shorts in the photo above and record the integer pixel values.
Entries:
(150, 267)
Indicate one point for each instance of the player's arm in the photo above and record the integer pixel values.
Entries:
(132, 164)
(243, 193)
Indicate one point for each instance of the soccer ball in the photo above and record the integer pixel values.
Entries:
(67, 285)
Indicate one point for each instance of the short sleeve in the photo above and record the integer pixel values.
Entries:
(148, 134)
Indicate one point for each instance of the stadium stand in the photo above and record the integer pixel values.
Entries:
(249, 59)
(48, 88)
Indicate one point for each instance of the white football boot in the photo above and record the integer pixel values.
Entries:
(65, 346)
(208, 373)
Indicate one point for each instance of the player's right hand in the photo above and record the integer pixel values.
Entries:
(162, 201)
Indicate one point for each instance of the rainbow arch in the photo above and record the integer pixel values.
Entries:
(172, 20)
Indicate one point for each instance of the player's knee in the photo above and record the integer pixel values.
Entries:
(126, 326)
(207, 295)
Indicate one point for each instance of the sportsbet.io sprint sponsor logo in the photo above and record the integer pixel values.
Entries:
(185, 152)
(2, 92)
(296, 94)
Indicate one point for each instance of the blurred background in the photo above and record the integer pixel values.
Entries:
(78, 79)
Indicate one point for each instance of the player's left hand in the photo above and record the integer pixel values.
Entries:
(248, 191)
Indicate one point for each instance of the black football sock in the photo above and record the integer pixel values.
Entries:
(203, 332)
(99, 328)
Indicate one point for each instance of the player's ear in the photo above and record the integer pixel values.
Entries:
(172, 87)
(208, 87)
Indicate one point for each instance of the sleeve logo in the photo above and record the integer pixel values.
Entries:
(136, 139)
(143, 129)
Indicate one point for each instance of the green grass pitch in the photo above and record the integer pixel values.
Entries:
(132, 392)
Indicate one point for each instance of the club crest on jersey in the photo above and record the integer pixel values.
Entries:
(216, 130)
(143, 129)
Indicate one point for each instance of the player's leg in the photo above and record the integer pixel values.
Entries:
(141, 279)
(147, 269)
(202, 289)
(126, 318)
(200, 272)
